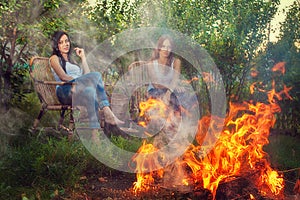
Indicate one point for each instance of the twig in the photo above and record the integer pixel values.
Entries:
(289, 170)
(289, 181)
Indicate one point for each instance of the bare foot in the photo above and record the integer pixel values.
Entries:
(110, 117)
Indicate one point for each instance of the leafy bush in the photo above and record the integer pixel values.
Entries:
(284, 151)
(128, 145)
(43, 166)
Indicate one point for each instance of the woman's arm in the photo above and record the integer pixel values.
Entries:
(177, 65)
(81, 54)
(55, 64)
(176, 76)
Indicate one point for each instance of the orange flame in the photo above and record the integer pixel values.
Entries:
(279, 67)
(237, 152)
(254, 86)
(252, 197)
(191, 80)
(146, 168)
(207, 77)
(156, 106)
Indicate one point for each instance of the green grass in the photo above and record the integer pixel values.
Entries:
(39, 166)
(284, 151)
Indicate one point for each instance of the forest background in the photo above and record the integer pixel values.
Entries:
(237, 34)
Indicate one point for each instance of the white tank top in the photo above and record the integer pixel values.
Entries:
(71, 69)
(158, 70)
(164, 79)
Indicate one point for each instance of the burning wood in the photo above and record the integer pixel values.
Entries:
(238, 152)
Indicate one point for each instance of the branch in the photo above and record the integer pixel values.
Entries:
(3, 51)
(13, 45)
(21, 51)
(289, 170)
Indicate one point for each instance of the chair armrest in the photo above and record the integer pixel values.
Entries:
(59, 83)
(54, 82)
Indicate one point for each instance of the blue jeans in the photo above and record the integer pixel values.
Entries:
(89, 92)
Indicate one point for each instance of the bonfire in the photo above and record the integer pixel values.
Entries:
(237, 153)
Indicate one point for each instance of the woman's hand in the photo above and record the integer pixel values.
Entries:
(80, 52)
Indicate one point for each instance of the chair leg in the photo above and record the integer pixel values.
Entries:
(71, 122)
(37, 120)
(62, 118)
(69, 129)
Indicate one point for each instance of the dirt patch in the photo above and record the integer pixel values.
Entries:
(118, 186)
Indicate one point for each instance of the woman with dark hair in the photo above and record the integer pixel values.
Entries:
(164, 71)
(88, 90)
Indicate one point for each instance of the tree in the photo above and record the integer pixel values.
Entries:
(111, 17)
(231, 31)
(286, 49)
(25, 26)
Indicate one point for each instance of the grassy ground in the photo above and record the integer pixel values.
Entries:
(44, 167)
(284, 152)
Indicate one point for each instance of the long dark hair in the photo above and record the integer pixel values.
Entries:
(160, 41)
(55, 50)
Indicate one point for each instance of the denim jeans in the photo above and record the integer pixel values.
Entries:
(89, 92)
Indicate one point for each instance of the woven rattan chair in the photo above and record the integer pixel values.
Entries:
(45, 85)
(139, 94)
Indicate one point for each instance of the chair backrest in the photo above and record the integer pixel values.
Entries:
(138, 72)
(140, 77)
(40, 72)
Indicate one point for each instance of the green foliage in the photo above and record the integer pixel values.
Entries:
(45, 166)
(290, 27)
(111, 151)
(21, 83)
(286, 49)
(284, 151)
(231, 31)
(111, 17)
(25, 26)
(131, 145)
(284, 154)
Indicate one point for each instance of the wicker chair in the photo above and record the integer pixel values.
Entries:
(45, 85)
(139, 94)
